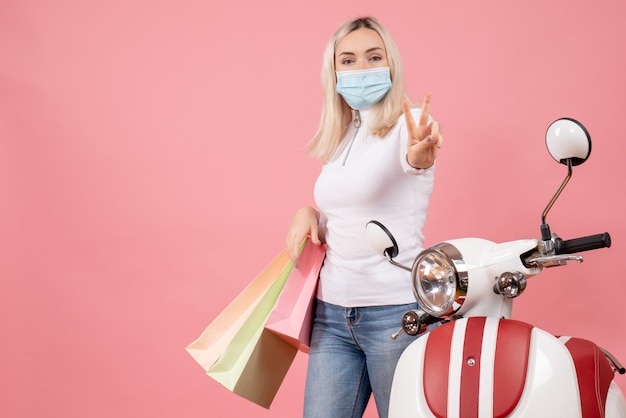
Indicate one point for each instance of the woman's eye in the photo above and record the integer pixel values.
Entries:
(376, 58)
(347, 61)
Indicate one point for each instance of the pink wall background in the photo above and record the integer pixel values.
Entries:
(152, 154)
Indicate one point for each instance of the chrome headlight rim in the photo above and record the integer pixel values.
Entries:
(454, 261)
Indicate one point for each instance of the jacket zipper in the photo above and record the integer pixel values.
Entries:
(357, 125)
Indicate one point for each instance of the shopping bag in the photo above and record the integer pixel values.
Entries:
(255, 362)
(292, 316)
(265, 370)
(208, 348)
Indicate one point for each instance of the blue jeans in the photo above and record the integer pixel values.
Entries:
(352, 356)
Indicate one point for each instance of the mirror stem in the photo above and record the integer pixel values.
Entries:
(545, 229)
(395, 263)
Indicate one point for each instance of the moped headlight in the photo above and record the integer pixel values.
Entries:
(440, 280)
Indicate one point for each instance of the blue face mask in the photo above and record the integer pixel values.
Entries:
(363, 88)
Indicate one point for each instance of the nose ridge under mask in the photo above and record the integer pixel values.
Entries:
(363, 88)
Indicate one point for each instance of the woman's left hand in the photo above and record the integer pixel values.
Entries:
(424, 138)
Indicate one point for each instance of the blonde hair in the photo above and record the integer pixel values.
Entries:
(336, 114)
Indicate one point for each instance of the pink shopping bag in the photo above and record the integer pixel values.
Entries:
(292, 316)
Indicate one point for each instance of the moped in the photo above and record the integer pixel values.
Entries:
(478, 362)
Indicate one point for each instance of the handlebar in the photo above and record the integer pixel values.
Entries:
(576, 245)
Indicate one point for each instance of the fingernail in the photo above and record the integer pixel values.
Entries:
(428, 138)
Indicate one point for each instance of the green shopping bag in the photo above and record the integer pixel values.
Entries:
(209, 346)
(256, 361)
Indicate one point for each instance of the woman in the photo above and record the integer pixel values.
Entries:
(377, 165)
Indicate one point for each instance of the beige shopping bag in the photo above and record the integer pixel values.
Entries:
(208, 348)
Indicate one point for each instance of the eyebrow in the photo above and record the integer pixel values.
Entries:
(367, 52)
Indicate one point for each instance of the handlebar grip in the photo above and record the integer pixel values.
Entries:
(577, 245)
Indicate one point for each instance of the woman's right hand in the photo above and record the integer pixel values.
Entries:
(424, 138)
(303, 224)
